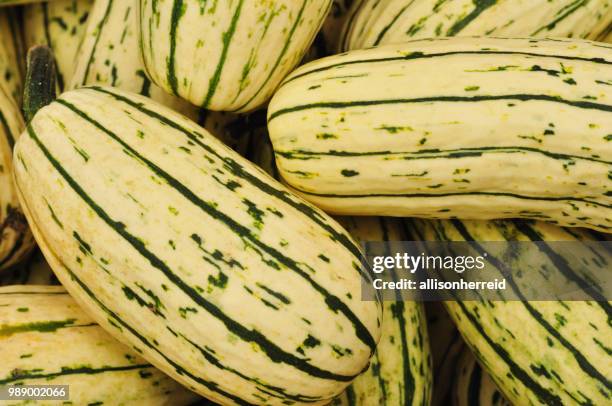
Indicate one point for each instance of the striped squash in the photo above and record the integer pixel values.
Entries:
(185, 250)
(12, 59)
(474, 387)
(109, 54)
(400, 371)
(59, 24)
(15, 237)
(492, 128)
(33, 271)
(239, 53)
(327, 41)
(36, 323)
(381, 22)
(536, 352)
(446, 348)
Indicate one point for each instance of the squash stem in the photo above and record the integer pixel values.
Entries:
(41, 77)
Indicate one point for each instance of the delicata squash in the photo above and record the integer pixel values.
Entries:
(184, 250)
(474, 128)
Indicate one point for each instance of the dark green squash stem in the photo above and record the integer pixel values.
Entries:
(41, 77)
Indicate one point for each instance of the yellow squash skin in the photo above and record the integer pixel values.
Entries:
(109, 55)
(15, 237)
(60, 25)
(46, 339)
(191, 254)
(475, 128)
(382, 22)
(227, 56)
(537, 352)
(11, 70)
(400, 372)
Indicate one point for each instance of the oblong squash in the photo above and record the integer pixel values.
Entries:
(537, 352)
(475, 128)
(46, 339)
(376, 22)
(237, 55)
(191, 254)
